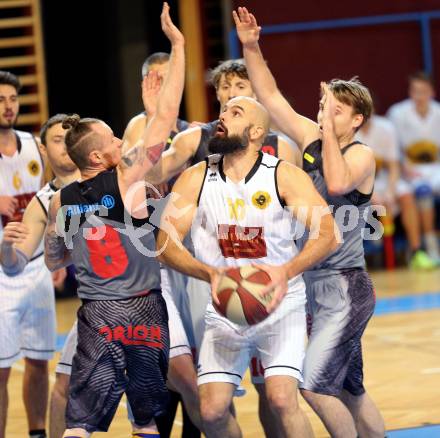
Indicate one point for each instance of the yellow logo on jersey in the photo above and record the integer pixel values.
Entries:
(308, 158)
(423, 151)
(261, 200)
(16, 181)
(237, 208)
(33, 168)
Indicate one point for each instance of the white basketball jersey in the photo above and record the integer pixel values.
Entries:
(241, 223)
(21, 175)
(419, 136)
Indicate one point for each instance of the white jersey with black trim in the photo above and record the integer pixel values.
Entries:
(237, 224)
(20, 175)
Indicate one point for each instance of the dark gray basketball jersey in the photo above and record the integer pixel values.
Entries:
(113, 253)
(353, 207)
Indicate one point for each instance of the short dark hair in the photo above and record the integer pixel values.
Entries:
(421, 76)
(155, 58)
(78, 141)
(230, 67)
(353, 93)
(54, 120)
(8, 78)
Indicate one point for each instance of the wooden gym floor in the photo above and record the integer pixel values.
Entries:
(401, 354)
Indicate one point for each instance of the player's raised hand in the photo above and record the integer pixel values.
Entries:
(248, 30)
(168, 27)
(328, 105)
(15, 232)
(277, 287)
(150, 91)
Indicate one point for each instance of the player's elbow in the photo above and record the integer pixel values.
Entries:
(337, 188)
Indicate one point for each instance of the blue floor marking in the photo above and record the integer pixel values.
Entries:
(408, 303)
(416, 432)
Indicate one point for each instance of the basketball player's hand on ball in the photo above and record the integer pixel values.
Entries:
(168, 27)
(248, 30)
(8, 205)
(328, 105)
(277, 287)
(15, 232)
(150, 92)
(215, 276)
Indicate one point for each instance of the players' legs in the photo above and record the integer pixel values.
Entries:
(368, 420)
(341, 305)
(410, 220)
(58, 403)
(36, 392)
(282, 396)
(182, 377)
(4, 377)
(215, 400)
(333, 413)
(268, 418)
(60, 390)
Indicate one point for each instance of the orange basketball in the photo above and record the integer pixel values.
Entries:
(239, 295)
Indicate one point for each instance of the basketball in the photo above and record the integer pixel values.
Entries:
(239, 295)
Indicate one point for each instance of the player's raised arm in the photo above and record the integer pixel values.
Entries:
(301, 129)
(176, 157)
(141, 158)
(56, 254)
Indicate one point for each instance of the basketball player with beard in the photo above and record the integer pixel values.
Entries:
(340, 294)
(219, 197)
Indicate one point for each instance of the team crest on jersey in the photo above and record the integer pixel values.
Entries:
(33, 167)
(16, 181)
(261, 199)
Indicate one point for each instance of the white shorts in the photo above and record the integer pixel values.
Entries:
(199, 294)
(27, 314)
(279, 341)
(429, 174)
(64, 366)
(178, 341)
(381, 185)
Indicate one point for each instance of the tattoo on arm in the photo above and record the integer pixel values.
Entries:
(54, 247)
(138, 154)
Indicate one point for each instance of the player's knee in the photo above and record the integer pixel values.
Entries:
(213, 412)
(282, 401)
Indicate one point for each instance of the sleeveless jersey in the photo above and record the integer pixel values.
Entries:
(20, 175)
(270, 144)
(243, 223)
(113, 253)
(354, 205)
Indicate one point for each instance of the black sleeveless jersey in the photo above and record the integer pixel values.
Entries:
(113, 253)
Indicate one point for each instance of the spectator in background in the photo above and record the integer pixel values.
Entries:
(417, 122)
(390, 189)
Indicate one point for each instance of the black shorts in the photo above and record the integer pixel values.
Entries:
(123, 346)
(339, 308)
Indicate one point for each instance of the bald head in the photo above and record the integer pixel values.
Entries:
(256, 115)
